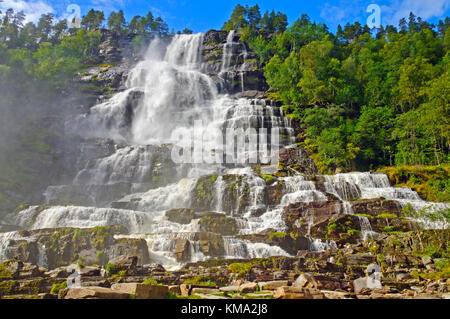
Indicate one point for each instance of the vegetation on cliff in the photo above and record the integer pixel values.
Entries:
(364, 98)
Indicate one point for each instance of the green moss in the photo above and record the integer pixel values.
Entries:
(387, 215)
(241, 269)
(431, 182)
(7, 287)
(200, 281)
(110, 269)
(57, 287)
(353, 232)
(279, 235)
(270, 179)
(150, 282)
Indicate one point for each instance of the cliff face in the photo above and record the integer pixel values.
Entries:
(242, 72)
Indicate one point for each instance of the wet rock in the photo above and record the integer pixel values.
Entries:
(291, 244)
(181, 216)
(220, 224)
(9, 228)
(182, 249)
(298, 160)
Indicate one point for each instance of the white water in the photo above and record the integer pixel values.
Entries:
(174, 94)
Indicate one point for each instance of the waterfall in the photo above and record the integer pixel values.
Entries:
(227, 52)
(366, 228)
(5, 239)
(219, 192)
(85, 217)
(241, 249)
(42, 257)
(166, 95)
(351, 186)
(320, 245)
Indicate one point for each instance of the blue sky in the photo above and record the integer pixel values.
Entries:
(202, 15)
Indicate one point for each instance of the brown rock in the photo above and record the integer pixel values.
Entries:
(205, 290)
(306, 280)
(142, 291)
(95, 293)
(272, 285)
(185, 290)
(182, 249)
(175, 290)
(248, 287)
(298, 293)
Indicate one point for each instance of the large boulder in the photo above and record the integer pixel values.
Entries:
(126, 264)
(142, 291)
(93, 293)
(366, 283)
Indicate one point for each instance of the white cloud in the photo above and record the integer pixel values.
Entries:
(342, 11)
(426, 9)
(33, 9)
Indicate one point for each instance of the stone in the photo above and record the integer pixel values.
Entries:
(445, 295)
(88, 271)
(366, 283)
(61, 272)
(205, 290)
(248, 287)
(124, 263)
(305, 280)
(297, 293)
(336, 294)
(272, 285)
(182, 249)
(185, 290)
(210, 297)
(229, 288)
(175, 290)
(142, 291)
(95, 293)
(426, 260)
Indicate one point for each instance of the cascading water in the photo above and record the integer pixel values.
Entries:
(167, 94)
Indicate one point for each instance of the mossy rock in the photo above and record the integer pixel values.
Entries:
(181, 216)
(219, 224)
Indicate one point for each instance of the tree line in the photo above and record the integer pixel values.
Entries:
(365, 98)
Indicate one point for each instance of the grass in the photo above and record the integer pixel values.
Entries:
(431, 182)
(200, 281)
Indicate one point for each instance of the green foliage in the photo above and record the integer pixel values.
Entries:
(364, 102)
(431, 182)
